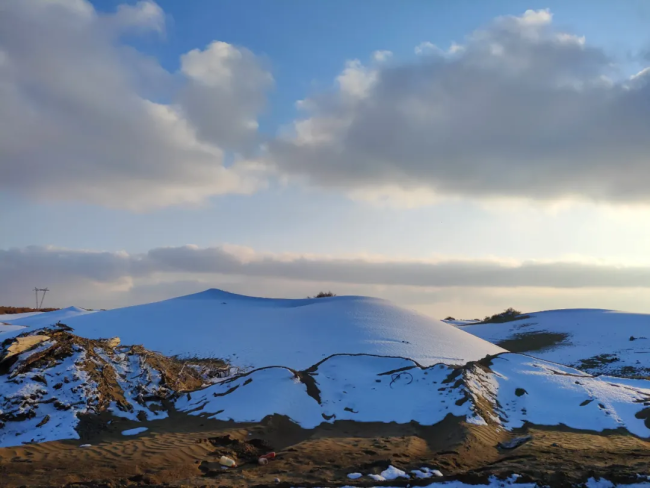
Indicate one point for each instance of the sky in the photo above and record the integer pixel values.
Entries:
(456, 158)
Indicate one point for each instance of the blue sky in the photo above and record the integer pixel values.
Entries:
(306, 43)
(297, 203)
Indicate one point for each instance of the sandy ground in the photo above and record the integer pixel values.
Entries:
(183, 450)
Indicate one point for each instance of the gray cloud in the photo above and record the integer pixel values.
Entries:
(449, 273)
(519, 110)
(27, 267)
(81, 114)
(224, 93)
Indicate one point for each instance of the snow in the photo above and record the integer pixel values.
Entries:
(591, 333)
(379, 389)
(329, 359)
(14, 316)
(393, 473)
(362, 388)
(494, 482)
(354, 476)
(258, 332)
(425, 472)
(461, 322)
(136, 431)
(551, 394)
(421, 474)
(6, 328)
(376, 477)
(45, 319)
(23, 394)
(43, 404)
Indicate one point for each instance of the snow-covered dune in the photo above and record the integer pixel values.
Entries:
(520, 389)
(5, 318)
(45, 319)
(597, 341)
(257, 332)
(6, 329)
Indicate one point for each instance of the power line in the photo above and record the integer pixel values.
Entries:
(36, 290)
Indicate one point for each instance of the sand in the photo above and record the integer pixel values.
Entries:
(182, 451)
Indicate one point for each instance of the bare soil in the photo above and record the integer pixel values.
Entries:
(183, 451)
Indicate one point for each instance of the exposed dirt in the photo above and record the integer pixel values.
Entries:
(533, 341)
(183, 451)
(104, 362)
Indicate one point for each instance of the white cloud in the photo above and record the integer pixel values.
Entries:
(382, 56)
(225, 93)
(536, 17)
(356, 80)
(83, 117)
(522, 110)
(426, 47)
(144, 15)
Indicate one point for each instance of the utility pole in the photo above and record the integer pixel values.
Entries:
(36, 290)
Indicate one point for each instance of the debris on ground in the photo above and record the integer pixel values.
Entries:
(226, 461)
(514, 443)
(51, 380)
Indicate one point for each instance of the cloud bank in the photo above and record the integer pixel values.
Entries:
(86, 117)
(520, 109)
(25, 267)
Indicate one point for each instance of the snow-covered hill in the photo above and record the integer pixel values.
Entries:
(5, 318)
(519, 389)
(44, 388)
(44, 319)
(596, 341)
(257, 332)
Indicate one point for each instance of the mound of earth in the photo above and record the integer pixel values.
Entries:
(508, 391)
(258, 332)
(135, 417)
(51, 381)
(596, 341)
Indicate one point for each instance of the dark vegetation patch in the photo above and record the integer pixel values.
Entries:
(12, 310)
(324, 294)
(645, 416)
(608, 363)
(508, 315)
(533, 341)
(597, 361)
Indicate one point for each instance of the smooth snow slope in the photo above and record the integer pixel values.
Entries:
(46, 319)
(597, 341)
(256, 332)
(4, 318)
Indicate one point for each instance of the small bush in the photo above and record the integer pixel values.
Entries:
(450, 318)
(324, 294)
(507, 315)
